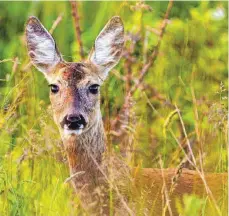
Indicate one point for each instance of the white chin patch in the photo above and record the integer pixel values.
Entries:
(72, 132)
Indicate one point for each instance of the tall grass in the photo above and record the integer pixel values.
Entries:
(189, 75)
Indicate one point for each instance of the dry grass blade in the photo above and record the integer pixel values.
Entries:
(56, 23)
(186, 136)
(15, 60)
(76, 19)
(200, 172)
(73, 176)
(165, 192)
(187, 158)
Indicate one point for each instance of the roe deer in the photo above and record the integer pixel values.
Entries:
(75, 100)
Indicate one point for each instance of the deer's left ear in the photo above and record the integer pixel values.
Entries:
(108, 46)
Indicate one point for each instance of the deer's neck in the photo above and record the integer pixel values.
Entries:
(85, 154)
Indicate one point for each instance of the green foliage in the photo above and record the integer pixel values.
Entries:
(192, 206)
(190, 72)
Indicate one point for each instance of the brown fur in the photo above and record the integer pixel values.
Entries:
(152, 189)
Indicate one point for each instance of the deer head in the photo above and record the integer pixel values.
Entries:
(74, 87)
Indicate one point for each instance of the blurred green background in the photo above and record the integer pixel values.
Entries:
(190, 72)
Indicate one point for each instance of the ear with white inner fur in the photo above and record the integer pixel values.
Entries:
(108, 46)
(41, 46)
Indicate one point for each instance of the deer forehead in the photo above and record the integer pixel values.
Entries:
(75, 74)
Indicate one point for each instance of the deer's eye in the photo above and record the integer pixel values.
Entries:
(94, 89)
(54, 88)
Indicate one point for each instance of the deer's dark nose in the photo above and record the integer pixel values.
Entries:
(74, 122)
(74, 118)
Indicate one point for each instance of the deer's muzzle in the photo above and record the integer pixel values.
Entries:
(73, 122)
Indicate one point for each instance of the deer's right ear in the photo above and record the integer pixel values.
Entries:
(108, 46)
(41, 46)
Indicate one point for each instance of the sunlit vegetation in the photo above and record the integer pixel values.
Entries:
(180, 102)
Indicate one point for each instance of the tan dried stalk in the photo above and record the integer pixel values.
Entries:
(76, 18)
